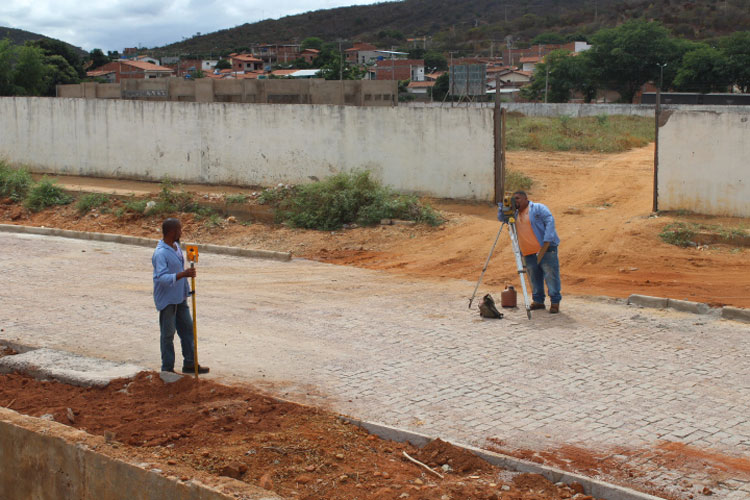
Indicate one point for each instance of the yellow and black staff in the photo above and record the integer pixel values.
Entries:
(192, 255)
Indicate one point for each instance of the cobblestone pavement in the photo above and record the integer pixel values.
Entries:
(625, 381)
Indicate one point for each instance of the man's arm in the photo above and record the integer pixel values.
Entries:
(549, 224)
(166, 278)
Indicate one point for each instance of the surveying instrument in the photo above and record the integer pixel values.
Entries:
(509, 211)
(192, 255)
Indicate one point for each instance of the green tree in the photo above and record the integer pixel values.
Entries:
(52, 47)
(558, 76)
(703, 70)
(59, 72)
(98, 59)
(223, 64)
(30, 71)
(435, 61)
(736, 48)
(7, 55)
(312, 42)
(628, 56)
(440, 90)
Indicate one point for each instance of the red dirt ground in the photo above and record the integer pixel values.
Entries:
(202, 429)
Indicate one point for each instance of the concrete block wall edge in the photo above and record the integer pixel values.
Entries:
(592, 486)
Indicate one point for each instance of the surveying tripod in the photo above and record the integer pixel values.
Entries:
(509, 211)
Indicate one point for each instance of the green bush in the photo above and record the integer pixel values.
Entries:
(137, 206)
(348, 198)
(679, 233)
(170, 201)
(14, 183)
(46, 194)
(88, 202)
(236, 198)
(516, 181)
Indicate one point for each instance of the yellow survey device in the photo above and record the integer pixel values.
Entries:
(192, 252)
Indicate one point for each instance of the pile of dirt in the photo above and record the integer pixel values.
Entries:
(201, 429)
(439, 453)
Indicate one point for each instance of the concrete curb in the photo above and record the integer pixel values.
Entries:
(142, 242)
(735, 313)
(593, 487)
(727, 312)
(648, 301)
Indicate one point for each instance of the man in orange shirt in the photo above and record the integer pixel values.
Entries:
(538, 240)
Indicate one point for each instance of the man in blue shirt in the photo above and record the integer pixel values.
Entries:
(171, 290)
(538, 241)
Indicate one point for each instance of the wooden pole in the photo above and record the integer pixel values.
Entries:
(657, 112)
(499, 134)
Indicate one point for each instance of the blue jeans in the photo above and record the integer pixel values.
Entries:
(546, 271)
(171, 318)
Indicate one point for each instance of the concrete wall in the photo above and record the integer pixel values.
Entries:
(436, 152)
(703, 161)
(48, 461)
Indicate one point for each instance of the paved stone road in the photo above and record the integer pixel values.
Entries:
(601, 375)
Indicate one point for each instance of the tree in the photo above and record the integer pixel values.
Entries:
(441, 88)
(223, 64)
(52, 47)
(558, 76)
(30, 71)
(703, 70)
(312, 42)
(98, 59)
(628, 56)
(417, 53)
(7, 54)
(736, 48)
(59, 72)
(435, 61)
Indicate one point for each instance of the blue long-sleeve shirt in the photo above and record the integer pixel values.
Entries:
(167, 288)
(542, 223)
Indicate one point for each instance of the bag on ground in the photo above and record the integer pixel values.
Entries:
(487, 308)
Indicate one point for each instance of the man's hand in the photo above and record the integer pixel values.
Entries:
(187, 273)
(541, 253)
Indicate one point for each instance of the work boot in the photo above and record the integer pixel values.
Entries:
(554, 308)
(188, 369)
(536, 305)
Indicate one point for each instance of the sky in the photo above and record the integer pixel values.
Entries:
(116, 24)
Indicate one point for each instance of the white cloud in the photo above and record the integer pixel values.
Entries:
(115, 24)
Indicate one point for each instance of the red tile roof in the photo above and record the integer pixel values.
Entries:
(146, 66)
(361, 46)
(246, 58)
(96, 73)
(421, 85)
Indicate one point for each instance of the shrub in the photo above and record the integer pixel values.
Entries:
(679, 233)
(46, 194)
(14, 183)
(347, 198)
(516, 181)
(88, 202)
(137, 206)
(236, 198)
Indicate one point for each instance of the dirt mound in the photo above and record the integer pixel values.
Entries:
(201, 429)
(438, 453)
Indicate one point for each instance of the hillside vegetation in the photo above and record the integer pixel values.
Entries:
(472, 25)
(20, 37)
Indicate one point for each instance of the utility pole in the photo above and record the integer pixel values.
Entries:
(546, 84)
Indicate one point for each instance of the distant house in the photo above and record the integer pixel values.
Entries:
(362, 53)
(420, 89)
(309, 55)
(511, 78)
(245, 62)
(529, 63)
(209, 64)
(125, 68)
(102, 75)
(400, 69)
(275, 53)
(148, 59)
(513, 57)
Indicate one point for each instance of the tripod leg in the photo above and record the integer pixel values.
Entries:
(520, 266)
(486, 263)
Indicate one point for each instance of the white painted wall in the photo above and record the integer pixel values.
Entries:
(703, 162)
(436, 152)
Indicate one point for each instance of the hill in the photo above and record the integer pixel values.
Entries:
(471, 25)
(19, 37)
